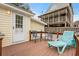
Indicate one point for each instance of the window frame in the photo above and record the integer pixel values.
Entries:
(19, 21)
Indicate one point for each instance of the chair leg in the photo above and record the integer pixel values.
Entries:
(62, 50)
(58, 49)
(49, 45)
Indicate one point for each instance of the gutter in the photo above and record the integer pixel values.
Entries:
(38, 21)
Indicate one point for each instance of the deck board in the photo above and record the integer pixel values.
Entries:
(40, 48)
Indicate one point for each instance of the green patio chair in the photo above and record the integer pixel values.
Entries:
(67, 39)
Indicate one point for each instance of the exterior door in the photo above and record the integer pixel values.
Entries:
(18, 28)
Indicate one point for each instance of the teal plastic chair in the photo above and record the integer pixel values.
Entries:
(67, 39)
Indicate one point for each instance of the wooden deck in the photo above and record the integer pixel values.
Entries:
(40, 48)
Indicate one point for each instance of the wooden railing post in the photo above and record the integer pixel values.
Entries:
(57, 34)
(1, 46)
(40, 35)
(30, 35)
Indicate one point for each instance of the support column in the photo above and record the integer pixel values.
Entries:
(48, 22)
(42, 18)
(30, 35)
(65, 17)
(65, 24)
(58, 16)
(53, 17)
(45, 19)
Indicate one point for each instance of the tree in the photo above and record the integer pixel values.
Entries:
(22, 5)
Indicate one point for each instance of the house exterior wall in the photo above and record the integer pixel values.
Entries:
(36, 26)
(6, 26)
(27, 27)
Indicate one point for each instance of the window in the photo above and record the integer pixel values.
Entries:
(19, 21)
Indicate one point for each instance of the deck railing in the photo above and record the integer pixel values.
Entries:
(42, 34)
(57, 34)
(61, 29)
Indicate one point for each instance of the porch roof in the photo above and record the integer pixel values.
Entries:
(37, 19)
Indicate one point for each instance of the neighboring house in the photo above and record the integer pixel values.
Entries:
(58, 15)
(15, 24)
(76, 24)
(37, 24)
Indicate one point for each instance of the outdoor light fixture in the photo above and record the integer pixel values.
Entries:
(8, 12)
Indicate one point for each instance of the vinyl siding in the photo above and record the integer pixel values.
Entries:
(36, 26)
(6, 26)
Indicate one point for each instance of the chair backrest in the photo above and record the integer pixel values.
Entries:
(68, 35)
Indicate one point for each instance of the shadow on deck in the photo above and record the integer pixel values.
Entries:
(40, 48)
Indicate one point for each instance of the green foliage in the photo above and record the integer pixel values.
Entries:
(22, 5)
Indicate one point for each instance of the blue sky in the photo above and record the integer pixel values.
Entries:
(39, 8)
(76, 11)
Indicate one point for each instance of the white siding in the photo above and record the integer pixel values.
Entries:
(6, 26)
